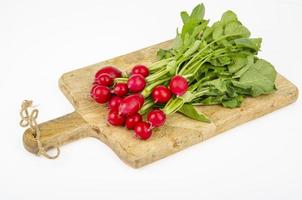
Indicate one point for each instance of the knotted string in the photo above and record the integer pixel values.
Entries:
(29, 119)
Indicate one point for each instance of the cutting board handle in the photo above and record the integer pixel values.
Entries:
(57, 132)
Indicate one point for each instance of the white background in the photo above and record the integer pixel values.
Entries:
(40, 40)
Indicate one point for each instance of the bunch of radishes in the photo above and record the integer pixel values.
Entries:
(125, 100)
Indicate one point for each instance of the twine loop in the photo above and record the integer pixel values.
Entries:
(29, 119)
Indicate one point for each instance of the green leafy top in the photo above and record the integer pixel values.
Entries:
(219, 61)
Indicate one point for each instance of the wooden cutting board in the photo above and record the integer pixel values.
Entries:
(179, 132)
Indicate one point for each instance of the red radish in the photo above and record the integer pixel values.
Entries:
(112, 71)
(130, 105)
(178, 85)
(114, 102)
(140, 69)
(100, 93)
(132, 120)
(104, 79)
(143, 130)
(161, 94)
(140, 98)
(156, 118)
(120, 89)
(115, 119)
(136, 83)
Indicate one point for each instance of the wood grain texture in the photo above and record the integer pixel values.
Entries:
(57, 132)
(179, 132)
